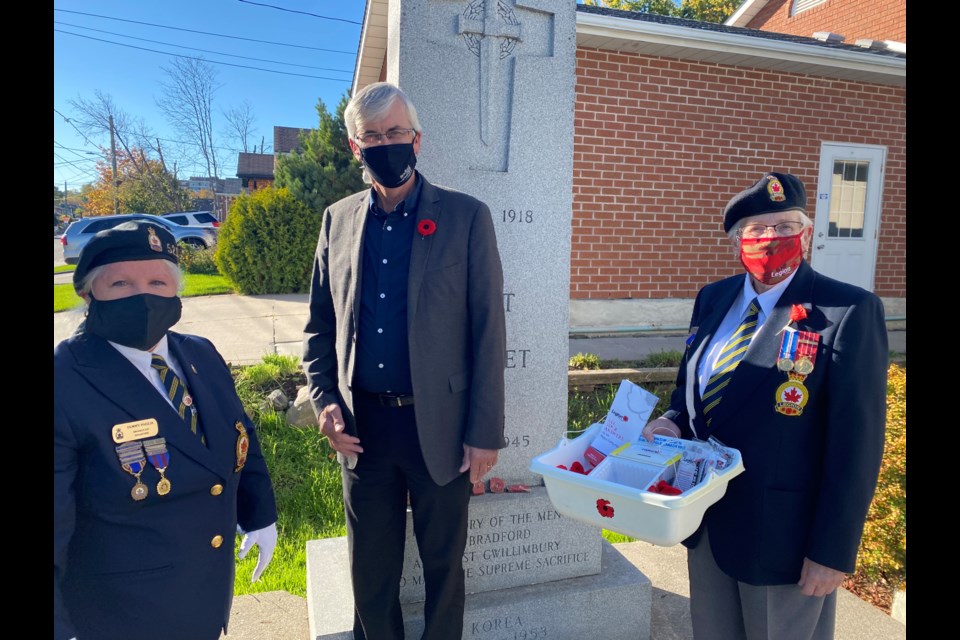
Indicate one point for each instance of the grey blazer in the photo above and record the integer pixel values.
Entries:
(457, 332)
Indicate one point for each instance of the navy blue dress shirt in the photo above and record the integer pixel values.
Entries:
(383, 352)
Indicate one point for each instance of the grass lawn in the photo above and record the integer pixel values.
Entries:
(306, 481)
(199, 284)
(64, 268)
(195, 284)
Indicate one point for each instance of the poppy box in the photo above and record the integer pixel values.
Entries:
(615, 496)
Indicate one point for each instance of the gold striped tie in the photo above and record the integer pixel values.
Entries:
(730, 356)
(177, 392)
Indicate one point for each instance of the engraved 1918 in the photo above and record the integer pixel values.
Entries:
(518, 215)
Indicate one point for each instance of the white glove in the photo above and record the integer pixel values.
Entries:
(267, 539)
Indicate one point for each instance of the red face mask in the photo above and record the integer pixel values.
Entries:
(771, 260)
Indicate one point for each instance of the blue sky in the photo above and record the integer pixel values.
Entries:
(107, 50)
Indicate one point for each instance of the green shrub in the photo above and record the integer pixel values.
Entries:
(193, 259)
(883, 549)
(267, 243)
(662, 359)
(286, 365)
(261, 375)
(584, 361)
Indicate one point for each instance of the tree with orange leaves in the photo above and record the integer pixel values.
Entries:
(142, 186)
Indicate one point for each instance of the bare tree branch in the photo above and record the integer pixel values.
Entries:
(187, 102)
(240, 121)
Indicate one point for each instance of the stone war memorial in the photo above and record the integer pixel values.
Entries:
(493, 83)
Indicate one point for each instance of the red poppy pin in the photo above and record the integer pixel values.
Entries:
(426, 227)
(797, 313)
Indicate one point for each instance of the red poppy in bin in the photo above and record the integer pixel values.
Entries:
(426, 227)
(604, 508)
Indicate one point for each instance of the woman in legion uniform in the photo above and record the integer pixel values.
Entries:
(156, 464)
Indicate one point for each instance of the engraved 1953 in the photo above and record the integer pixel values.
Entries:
(514, 215)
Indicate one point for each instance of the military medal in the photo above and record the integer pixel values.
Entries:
(160, 459)
(788, 349)
(243, 445)
(133, 462)
(792, 397)
(806, 352)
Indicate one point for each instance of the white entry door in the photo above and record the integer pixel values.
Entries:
(848, 212)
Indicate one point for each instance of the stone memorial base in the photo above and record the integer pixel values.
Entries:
(614, 604)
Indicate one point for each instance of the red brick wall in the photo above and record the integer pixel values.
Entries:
(661, 145)
(853, 19)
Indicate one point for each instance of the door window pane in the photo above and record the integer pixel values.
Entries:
(848, 198)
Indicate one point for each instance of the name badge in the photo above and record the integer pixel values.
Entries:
(129, 431)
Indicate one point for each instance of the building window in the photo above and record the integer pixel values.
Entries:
(799, 6)
(848, 204)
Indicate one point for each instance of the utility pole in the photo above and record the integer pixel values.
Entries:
(116, 181)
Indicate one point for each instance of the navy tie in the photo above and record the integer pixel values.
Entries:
(730, 356)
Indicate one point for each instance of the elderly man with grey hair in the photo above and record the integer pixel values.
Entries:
(404, 352)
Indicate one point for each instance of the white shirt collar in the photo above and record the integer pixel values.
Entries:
(139, 357)
(768, 299)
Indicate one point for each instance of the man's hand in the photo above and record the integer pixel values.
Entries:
(663, 426)
(266, 538)
(479, 461)
(332, 426)
(818, 580)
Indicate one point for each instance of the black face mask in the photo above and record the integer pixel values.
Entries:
(137, 321)
(390, 165)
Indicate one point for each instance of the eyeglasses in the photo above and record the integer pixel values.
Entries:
(393, 136)
(781, 229)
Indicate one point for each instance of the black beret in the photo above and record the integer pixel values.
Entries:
(774, 192)
(134, 240)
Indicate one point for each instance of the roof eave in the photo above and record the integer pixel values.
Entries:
(372, 46)
(745, 13)
(653, 38)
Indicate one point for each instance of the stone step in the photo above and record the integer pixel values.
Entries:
(278, 615)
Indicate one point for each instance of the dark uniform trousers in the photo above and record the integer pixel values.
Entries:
(375, 499)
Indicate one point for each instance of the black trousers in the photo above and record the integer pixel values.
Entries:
(375, 501)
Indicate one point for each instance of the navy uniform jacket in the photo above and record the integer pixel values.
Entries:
(808, 479)
(162, 567)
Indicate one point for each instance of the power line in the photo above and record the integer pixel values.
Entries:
(84, 170)
(232, 55)
(228, 64)
(208, 33)
(83, 153)
(70, 122)
(306, 13)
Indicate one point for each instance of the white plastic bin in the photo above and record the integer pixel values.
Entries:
(616, 498)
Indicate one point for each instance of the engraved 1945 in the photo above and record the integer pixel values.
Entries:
(514, 215)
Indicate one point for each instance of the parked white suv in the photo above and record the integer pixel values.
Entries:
(78, 234)
(193, 218)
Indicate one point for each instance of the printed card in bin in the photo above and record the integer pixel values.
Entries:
(629, 412)
(657, 492)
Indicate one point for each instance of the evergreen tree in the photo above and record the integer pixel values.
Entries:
(324, 170)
